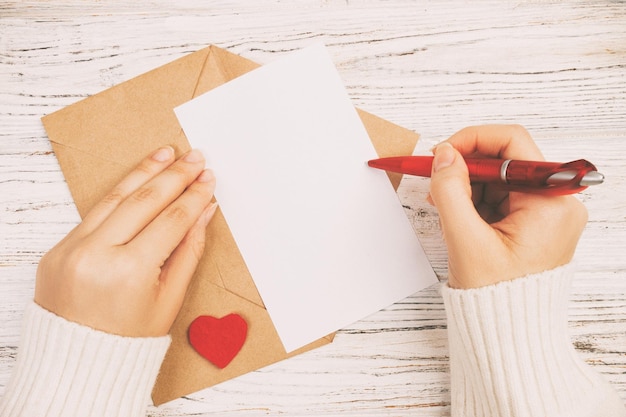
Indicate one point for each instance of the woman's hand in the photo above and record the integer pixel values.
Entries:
(125, 269)
(493, 235)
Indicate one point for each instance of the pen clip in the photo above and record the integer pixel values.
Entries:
(566, 184)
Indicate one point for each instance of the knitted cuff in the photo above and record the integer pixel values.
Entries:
(66, 369)
(510, 351)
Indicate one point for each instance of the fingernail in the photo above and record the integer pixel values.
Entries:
(206, 176)
(163, 154)
(444, 156)
(209, 212)
(194, 156)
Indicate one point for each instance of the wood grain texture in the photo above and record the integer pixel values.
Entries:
(556, 67)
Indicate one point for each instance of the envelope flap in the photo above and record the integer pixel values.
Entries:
(230, 66)
(228, 267)
(126, 122)
(87, 189)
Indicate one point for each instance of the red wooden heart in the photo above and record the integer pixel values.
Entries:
(218, 340)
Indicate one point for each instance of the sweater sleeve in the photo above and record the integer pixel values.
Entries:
(511, 355)
(66, 369)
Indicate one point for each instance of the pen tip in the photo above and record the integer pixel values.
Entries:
(592, 178)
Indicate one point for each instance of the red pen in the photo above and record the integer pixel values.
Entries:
(548, 178)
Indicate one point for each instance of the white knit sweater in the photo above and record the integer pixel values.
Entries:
(510, 355)
(65, 369)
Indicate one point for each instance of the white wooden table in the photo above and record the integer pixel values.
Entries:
(559, 68)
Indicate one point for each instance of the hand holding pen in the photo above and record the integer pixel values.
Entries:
(493, 235)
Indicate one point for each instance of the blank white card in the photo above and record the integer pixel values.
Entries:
(324, 236)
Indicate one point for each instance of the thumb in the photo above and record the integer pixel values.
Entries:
(451, 193)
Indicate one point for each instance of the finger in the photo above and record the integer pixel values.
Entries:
(179, 268)
(463, 228)
(487, 199)
(174, 222)
(498, 141)
(450, 190)
(493, 194)
(477, 193)
(492, 213)
(144, 172)
(145, 203)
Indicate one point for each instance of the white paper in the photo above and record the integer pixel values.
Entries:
(325, 237)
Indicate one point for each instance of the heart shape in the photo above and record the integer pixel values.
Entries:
(218, 340)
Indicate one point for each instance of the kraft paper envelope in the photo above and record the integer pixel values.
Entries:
(100, 139)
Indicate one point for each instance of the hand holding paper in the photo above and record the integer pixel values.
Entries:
(125, 269)
(99, 140)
